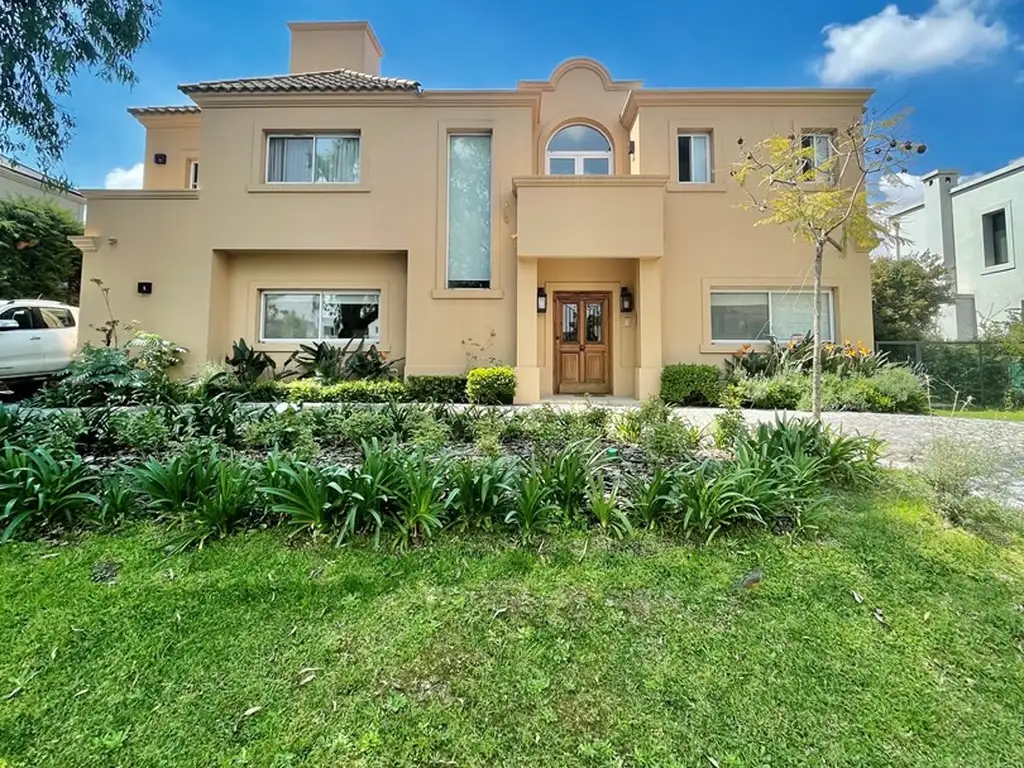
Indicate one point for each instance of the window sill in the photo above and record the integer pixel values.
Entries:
(995, 270)
(305, 188)
(467, 293)
(696, 187)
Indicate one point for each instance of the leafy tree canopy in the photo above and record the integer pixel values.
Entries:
(43, 45)
(36, 259)
(907, 294)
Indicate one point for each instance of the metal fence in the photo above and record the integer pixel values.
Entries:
(980, 370)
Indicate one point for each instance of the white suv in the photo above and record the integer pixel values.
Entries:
(37, 338)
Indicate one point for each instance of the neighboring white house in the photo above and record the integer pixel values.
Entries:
(977, 227)
(21, 181)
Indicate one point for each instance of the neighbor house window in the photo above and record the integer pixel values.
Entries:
(761, 315)
(193, 174)
(579, 150)
(319, 159)
(996, 243)
(694, 158)
(320, 316)
(822, 144)
(469, 210)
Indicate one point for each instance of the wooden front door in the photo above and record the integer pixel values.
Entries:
(582, 344)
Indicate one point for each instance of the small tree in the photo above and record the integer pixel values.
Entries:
(825, 189)
(907, 294)
(36, 259)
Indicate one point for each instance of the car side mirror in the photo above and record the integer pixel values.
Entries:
(9, 325)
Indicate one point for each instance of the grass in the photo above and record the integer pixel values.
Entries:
(990, 413)
(471, 652)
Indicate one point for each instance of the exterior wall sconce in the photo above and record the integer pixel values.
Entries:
(632, 147)
(542, 301)
(625, 301)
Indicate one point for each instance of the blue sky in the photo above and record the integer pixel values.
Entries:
(958, 63)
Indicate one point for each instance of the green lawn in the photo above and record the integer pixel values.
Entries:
(588, 652)
(986, 414)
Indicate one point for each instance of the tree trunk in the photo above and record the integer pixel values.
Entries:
(819, 250)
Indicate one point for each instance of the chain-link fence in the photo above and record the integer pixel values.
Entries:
(980, 370)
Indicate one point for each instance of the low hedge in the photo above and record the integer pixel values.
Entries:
(437, 389)
(888, 390)
(691, 384)
(313, 391)
(491, 386)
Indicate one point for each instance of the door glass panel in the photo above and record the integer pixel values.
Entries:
(595, 166)
(570, 323)
(562, 166)
(594, 330)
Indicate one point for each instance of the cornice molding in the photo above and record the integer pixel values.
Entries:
(140, 194)
(425, 98)
(85, 243)
(748, 97)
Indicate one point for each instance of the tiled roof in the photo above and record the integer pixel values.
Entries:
(326, 81)
(180, 110)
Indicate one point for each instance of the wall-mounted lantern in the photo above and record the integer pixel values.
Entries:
(625, 300)
(542, 301)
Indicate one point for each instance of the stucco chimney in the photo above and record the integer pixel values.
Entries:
(322, 45)
(938, 215)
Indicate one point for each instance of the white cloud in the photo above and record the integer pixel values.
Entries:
(892, 43)
(901, 189)
(125, 178)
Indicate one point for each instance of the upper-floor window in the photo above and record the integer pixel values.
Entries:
(996, 242)
(823, 146)
(193, 174)
(579, 150)
(695, 158)
(469, 210)
(329, 158)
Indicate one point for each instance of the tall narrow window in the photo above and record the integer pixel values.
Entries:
(821, 143)
(469, 210)
(193, 174)
(695, 158)
(996, 244)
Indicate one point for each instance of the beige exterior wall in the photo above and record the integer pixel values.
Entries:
(210, 253)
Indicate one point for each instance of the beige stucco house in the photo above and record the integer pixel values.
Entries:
(581, 228)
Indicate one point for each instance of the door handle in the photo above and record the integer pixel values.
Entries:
(34, 338)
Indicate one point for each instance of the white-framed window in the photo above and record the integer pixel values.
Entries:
(823, 144)
(338, 315)
(579, 150)
(995, 239)
(694, 158)
(193, 174)
(328, 158)
(752, 315)
(469, 210)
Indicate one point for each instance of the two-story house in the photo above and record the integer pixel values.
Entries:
(581, 228)
(970, 224)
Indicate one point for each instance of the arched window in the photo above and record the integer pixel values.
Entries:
(579, 150)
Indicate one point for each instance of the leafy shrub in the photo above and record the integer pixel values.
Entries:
(37, 490)
(603, 504)
(437, 389)
(568, 472)
(650, 498)
(670, 440)
(690, 384)
(548, 424)
(491, 386)
(365, 425)
(729, 426)
(284, 428)
(269, 391)
(782, 392)
(428, 434)
(144, 431)
(378, 391)
(421, 500)
(219, 508)
(889, 390)
(957, 472)
(172, 488)
(713, 496)
(330, 363)
(109, 376)
(153, 353)
(535, 509)
(248, 364)
(306, 496)
(630, 424)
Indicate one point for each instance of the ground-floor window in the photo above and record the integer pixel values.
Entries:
(760, 315)
(319, 315)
